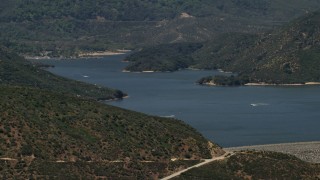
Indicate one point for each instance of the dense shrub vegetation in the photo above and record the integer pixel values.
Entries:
(256, 165)
(49, 127)
(166, 57)
(68, 27)
(284, 56)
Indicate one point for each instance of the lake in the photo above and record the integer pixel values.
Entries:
(229, 116)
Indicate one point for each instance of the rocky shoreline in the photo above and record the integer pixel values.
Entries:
(307, 151)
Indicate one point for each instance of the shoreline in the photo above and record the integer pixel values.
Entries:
(103, 53)
(306, 151)
(294, 84)
(211, 83)
(81, 55)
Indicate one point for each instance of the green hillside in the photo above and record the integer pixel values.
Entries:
(222, 51)
(136, 10)
(256, 165)
(68, 27)
(165, 57)
(217, 53)
(39, 169)
(288, 55)
(14, 70)
(43, 127)
(284, 56)
(140, 10)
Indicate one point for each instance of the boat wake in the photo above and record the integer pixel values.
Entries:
(259, 104)
(170, 116)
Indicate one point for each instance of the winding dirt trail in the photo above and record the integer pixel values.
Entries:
(206, 161)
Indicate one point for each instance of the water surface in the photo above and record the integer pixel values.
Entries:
(230, 116)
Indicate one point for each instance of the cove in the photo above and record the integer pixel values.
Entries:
(229, 116)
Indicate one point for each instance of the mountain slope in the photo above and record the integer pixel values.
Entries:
(256, 165)
(284, 56)
(223, 51)
(69, 27)
(39, 126)
(288, 55)
(140, 10)
(219, 52)
(14, 70)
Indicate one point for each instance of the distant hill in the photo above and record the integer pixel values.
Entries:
(217, 53)
(66, 28)
(288, 55)
(39, 126)
(284, 56)
(256, 165)
(140, 10)
(16, 71)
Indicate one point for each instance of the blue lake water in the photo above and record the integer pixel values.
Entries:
(229, 116)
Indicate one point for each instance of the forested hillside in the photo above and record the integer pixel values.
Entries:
(141, 10)
(42, 131)
(165, 57)
(68, 27)
(121, 10)
(284, 56)
(288, 55)
(255, 165)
